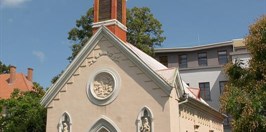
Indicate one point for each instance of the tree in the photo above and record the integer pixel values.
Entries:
(144, 30)
(22, 112)
(81, 33)
(244, 97)
(4, 68)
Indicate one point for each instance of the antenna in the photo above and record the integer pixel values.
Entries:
(198, 38)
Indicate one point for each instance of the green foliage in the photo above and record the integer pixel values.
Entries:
(56, 77)
(22, 112)
(81, 33)
(144, 31)
(4, 68)
(244, 96)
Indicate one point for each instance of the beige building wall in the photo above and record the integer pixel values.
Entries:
(136, 92)
(195, 119)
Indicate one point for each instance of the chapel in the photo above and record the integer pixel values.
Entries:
(112, 86)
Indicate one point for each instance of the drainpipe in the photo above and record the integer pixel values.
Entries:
(184, 98)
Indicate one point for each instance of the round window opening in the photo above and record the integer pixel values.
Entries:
(103, 86)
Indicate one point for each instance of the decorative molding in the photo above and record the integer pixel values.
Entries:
(103, 90)
(108, 23)
(103, 85)
(65, 123)
(94, 58)
(104, 122)
(87, 49)
(144, 122)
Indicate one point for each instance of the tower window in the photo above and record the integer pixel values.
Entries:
(104, 10)
(119, 10)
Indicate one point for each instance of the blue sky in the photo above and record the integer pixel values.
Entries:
(33, 33)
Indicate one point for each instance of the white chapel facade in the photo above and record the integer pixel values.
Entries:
(111, 86)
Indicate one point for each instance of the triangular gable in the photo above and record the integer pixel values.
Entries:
(87, 49)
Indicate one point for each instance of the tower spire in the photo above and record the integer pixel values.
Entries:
(112, 14)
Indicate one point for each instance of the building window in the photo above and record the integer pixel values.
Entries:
(222, 57)
(221, 85)
(205, 92)
(182, 61)
(105, 10)
(164, 60)
(119, 10)
(202, 59)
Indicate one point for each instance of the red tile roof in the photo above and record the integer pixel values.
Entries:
(21, 83)
(195, 91)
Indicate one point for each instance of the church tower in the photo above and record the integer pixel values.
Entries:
(112, 14)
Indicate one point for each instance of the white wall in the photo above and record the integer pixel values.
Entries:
(211, 75)
(243, 57)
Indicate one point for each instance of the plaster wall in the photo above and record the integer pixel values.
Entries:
(137, 91)
(211, 75)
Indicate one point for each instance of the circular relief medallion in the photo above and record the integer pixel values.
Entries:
(103, 85)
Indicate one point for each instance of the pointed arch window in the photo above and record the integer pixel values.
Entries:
(104, 125)
(64, 123)
(103, 129)
(145, 120)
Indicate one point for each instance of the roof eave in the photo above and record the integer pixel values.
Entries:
(166, 87)
(49, 95)
(194, 48)
(102, 31)
(204, 106)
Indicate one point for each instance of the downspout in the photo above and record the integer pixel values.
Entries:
(184, 98)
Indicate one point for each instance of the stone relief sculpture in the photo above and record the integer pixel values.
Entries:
(64, 124)
(145, 120)
(65, 127)
(145, 125)
(103, 85)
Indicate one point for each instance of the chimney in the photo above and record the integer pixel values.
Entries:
(111, 14)
(12, 77)
(30, 74)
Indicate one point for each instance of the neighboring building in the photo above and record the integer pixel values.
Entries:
(202, 66)
(13, 80)
(240, 53)
(111, 86)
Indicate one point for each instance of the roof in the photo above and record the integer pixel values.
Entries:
(151, 62)
(135, 55)
(238, 43)
(194, 48)
(168, 74)
(21, 83)
(165, 78)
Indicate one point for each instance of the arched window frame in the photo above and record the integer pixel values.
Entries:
(62, 119)
(141, 115)
(104, 123)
